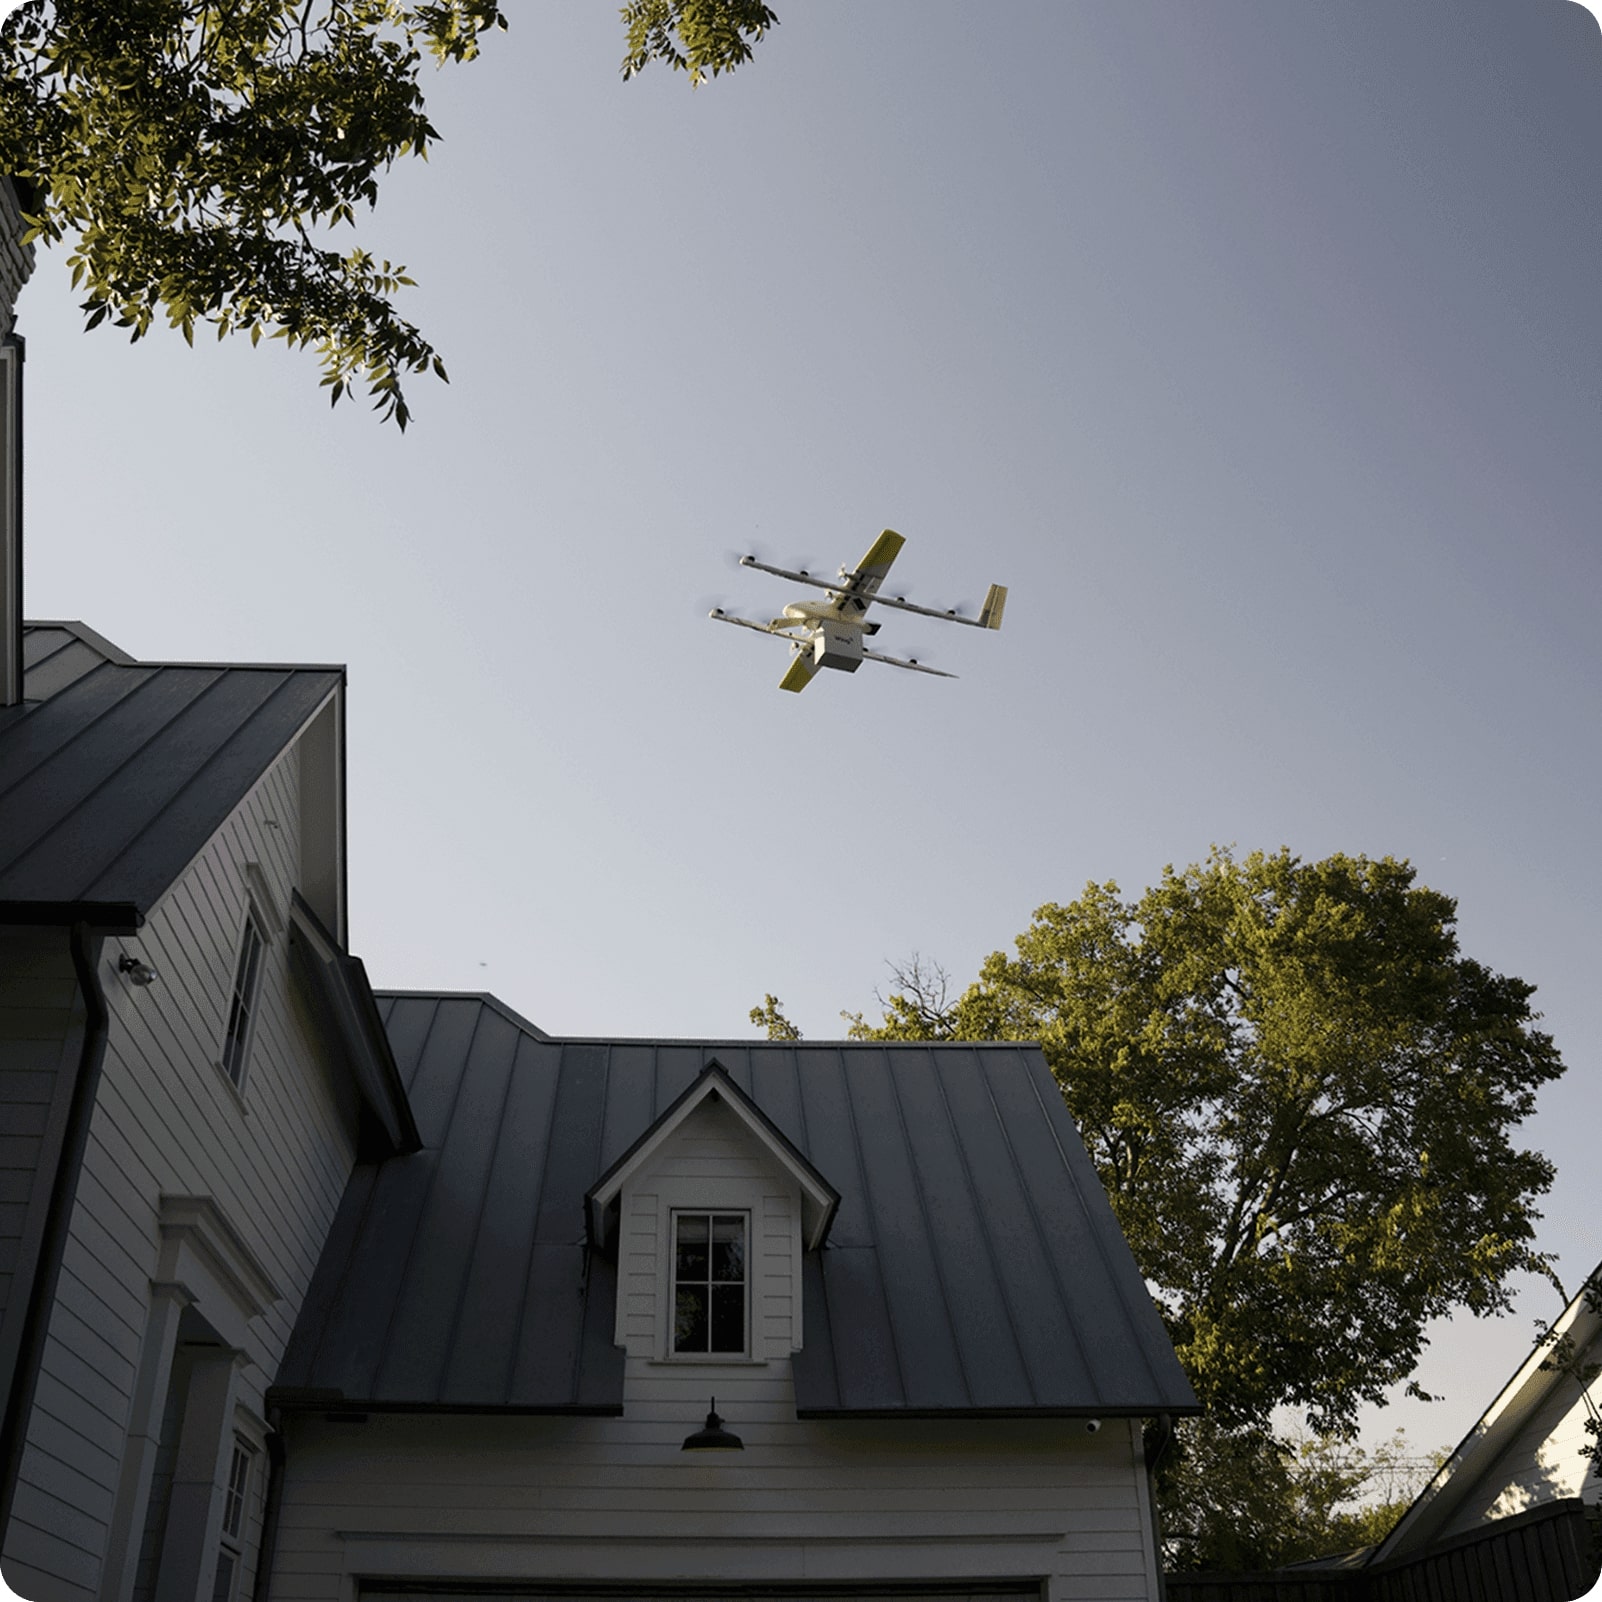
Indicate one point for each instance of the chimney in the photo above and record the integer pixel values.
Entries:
(16, 262)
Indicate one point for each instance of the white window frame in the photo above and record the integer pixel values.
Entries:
(244, 999)
(235, 1518)
(744, 1354)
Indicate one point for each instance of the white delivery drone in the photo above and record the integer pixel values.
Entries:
(829, 633)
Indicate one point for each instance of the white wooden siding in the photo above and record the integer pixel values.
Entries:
(577, 1499)
(274, 1159)
(1542, 1463)
(616, 1499)
(712, 1162)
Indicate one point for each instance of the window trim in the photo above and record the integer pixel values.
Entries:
(746, 1352)
(231, 1541)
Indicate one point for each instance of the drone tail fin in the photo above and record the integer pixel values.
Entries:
(995, 605)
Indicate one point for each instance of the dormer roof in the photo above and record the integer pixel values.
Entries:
(819, 1198)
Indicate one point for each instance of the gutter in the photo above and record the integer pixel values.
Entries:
(85, 948)
(1157, 1441)
(276, 1454)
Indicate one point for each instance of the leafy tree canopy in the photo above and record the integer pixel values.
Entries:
(1300, 1096)
(1243, 1501)
(197, 153)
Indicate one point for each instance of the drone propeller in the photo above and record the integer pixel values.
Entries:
(735, 555)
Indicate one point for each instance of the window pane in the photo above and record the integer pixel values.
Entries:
(728, 1318)
(689, 1319)
(234, 1499)
(692, 1246)
(243, 1002)
(222, 1586)
(728, 1248)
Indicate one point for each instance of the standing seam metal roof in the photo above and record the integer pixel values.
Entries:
(973, 1265)
(114, 774)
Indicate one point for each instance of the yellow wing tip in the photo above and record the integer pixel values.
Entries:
(882, 552)
(799, 676)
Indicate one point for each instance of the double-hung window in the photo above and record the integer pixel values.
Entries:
(242, 1003)
(230, 1549)
(709, 1284)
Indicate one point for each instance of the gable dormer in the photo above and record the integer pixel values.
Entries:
(709, 1214)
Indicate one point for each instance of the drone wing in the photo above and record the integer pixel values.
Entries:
(858, 587)
(853, 588)
(911, 663)
(802, 667)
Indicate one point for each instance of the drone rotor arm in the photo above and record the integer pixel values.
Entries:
(779, 628)
(989, 617)
(911, 667)
(833, 585)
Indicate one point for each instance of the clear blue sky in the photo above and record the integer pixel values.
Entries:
(1256, 346)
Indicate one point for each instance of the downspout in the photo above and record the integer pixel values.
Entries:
(274, 1501)
(58, 1217)
(1158, 1441)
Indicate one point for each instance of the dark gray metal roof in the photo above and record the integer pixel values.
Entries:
(114, 773)
(973, 1265)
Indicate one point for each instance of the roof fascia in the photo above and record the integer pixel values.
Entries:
(338, 982)
(104, 917)
(819, 1198)
(1514, 1405)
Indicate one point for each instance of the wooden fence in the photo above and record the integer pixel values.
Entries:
(1550, 1554)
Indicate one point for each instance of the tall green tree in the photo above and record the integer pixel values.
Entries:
(197, 154)
(1301, 1098)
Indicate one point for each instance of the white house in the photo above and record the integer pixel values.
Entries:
(186, 1077)
(317, 1294)
(307, 1292)
(890, 1268)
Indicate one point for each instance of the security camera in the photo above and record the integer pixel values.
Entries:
(1092, 1426)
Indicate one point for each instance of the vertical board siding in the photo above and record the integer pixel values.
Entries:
(273, 1157)
(438, 1497)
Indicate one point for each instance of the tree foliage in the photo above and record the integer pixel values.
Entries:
(1243, 1501)
(1300, 1097)
(700, 37)
(199, 153)
(770, 1015)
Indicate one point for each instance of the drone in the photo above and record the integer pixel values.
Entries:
(830, 633)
